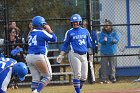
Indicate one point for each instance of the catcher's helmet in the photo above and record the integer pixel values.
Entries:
(20, 70)
(76, 18)
(38, 21)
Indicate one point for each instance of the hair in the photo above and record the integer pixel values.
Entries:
(108, 21)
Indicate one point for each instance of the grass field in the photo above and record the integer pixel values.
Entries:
(88, 88)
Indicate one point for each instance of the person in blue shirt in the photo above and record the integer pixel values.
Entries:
(11, 68)
(79, 40)
(108, 38)
(94, 42)
(36, 58)
(91, 74)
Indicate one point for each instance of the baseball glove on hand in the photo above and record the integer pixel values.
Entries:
(59, 58)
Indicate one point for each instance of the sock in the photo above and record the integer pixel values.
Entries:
(42, 83)
(34, 85)
(76, 83)
(81, 84)
(40, 86)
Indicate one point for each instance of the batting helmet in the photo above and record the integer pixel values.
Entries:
(20, 70)
(76, 18)
(38, 21)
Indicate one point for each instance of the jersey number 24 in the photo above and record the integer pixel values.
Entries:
(32, 40)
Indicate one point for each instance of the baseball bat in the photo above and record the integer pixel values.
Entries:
(91, 72)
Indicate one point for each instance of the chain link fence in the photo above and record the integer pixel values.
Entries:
(126, 23)
(124, 15)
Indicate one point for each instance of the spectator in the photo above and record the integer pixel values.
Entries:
(26, 34)
(78, 38)
(29, 29)
(17, 55)
(12, 41)
(108, 39)
(13, 25)
(91, 74)
(94, 38)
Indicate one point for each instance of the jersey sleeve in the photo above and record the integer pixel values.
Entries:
(66, 42)
(49, 36)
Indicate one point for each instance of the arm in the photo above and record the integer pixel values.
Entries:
(64, 47)
(115, 38)
(102, 38)
(50, 36)
(66, 42)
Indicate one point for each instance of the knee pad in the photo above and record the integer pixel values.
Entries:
(77, 76)
(46, 79)
(83, 78)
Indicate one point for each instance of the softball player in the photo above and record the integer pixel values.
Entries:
(8, 68)
(79, 40)
(36, 58)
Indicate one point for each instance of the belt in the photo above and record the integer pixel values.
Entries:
(38, 54)
(80, 53)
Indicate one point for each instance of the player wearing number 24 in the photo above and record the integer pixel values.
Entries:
(36, 58)
(10, 68)
(79, 40)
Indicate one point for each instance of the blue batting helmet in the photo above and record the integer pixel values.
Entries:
(76, 18)
(38, 21)
(20, 70)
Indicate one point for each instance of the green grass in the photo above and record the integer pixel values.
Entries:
(88, 88)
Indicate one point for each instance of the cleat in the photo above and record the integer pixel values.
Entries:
(35, 91)
(137, 80)
(104, 82)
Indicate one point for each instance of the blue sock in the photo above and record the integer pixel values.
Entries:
(40, 86)
(34, 85)
(76, 83)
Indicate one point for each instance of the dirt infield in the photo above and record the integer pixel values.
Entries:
(118, 91)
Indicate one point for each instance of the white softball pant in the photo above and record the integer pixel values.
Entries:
(79, 65)
(31, 59)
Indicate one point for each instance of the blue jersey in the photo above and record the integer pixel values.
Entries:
(78, 39)
(38, 41)
(5, 72)
(94, 41)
